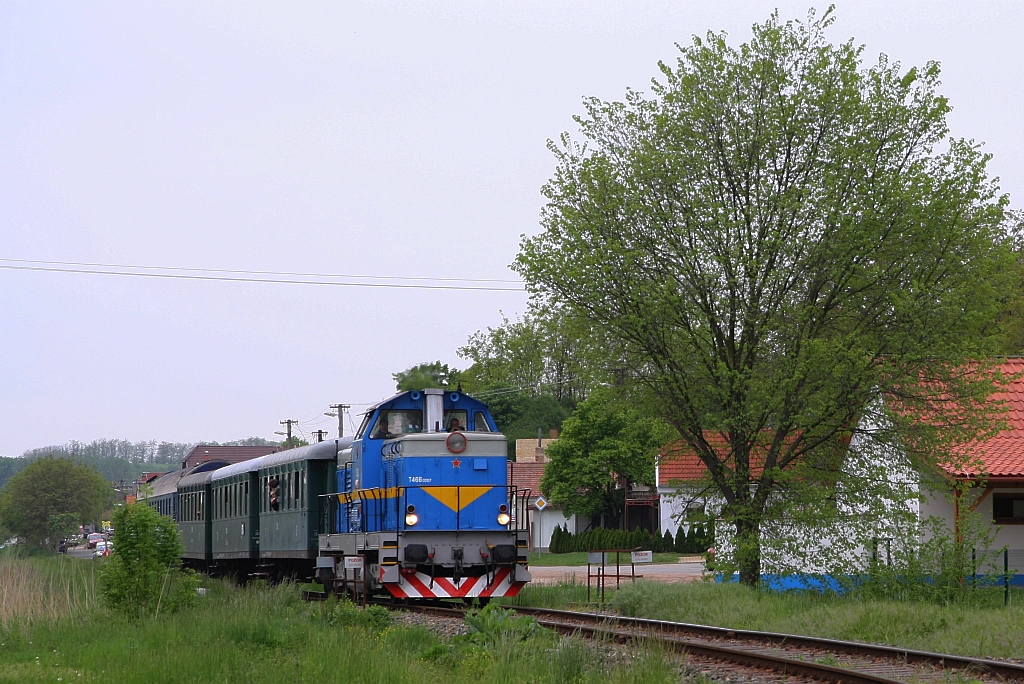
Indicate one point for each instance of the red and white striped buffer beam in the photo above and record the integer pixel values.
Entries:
(418, 585)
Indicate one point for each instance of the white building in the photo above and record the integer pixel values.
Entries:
(895, 506)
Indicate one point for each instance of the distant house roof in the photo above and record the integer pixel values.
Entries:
(680, 463)
(526, 476)
(227, 454)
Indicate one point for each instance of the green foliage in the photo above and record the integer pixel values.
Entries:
(62, 525)
(143, 576)
(336, 612)
(545, 352)
(51, 487)
(519, 415)
(426, 375)
(601, 539)
(494, 624)
(775, 235)
(605, 441)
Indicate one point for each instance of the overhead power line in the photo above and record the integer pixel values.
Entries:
(260, 273)
(280, 281)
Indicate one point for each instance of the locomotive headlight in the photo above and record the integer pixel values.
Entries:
(456, 442)
(410, 515)
(503, 518)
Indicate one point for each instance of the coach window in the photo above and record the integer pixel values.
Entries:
(480, 422)
(295, 492)
(1008, 509)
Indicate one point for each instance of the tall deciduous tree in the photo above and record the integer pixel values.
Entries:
(604, 444)
(47, 489)
(772, 236)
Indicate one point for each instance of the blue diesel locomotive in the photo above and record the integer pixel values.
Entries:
(418, 504)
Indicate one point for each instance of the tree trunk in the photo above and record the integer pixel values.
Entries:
(748, 551)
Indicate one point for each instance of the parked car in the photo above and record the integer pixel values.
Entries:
(103, 548)
(95, 538)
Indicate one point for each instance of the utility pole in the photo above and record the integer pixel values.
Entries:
(319, 434)
(339, 411)
(288, 426)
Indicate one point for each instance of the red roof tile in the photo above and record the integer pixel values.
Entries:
(526, 476)
(680, 463)
(1002, 455)
(999, 457)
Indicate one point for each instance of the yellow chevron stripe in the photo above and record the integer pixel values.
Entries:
(457, 498)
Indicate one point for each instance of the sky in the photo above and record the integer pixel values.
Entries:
(362, 138)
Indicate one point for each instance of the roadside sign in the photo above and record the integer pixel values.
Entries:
(642, 556)
(353, 562)
(540, 504)
(597, 557)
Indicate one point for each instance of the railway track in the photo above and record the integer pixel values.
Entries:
(793, 656)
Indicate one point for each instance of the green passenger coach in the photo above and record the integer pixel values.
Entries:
(290, 486)
(234, 508)
(195, 523)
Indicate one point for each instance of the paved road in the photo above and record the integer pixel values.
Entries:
(662, 572)
(80, 552)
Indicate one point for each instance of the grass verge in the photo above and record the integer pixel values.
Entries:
(267, 634)
(984, 629)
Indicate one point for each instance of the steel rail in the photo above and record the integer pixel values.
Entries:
(780, 664)
(789, 666)
(1003, 670)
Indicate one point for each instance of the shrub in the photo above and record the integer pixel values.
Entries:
(494, 623)
(144, 573)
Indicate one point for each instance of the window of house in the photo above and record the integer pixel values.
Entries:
(1008, 508)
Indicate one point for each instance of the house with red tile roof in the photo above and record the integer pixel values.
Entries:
(993, 482)
(525, 474)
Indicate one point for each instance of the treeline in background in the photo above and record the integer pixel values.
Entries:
(119, 459)
(695, 540)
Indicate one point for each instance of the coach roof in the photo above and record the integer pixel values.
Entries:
(196, 479)
(238, 468)
(322, 451)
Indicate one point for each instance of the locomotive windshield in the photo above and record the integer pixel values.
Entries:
(455, 420)
(397, 422)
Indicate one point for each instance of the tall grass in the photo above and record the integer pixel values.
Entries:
(45, 588)
(979, 630)
(267, 634)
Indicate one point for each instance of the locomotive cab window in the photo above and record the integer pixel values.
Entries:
(480, 422)
(455, 420)
(394, 423)
(1008, 509)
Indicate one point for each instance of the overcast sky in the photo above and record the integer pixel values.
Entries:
(388, 139)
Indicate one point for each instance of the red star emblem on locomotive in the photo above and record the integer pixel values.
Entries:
(456, 463)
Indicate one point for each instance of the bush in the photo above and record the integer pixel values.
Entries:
(343, 613)
(494, 623)
(144, 573)
(601, 539)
